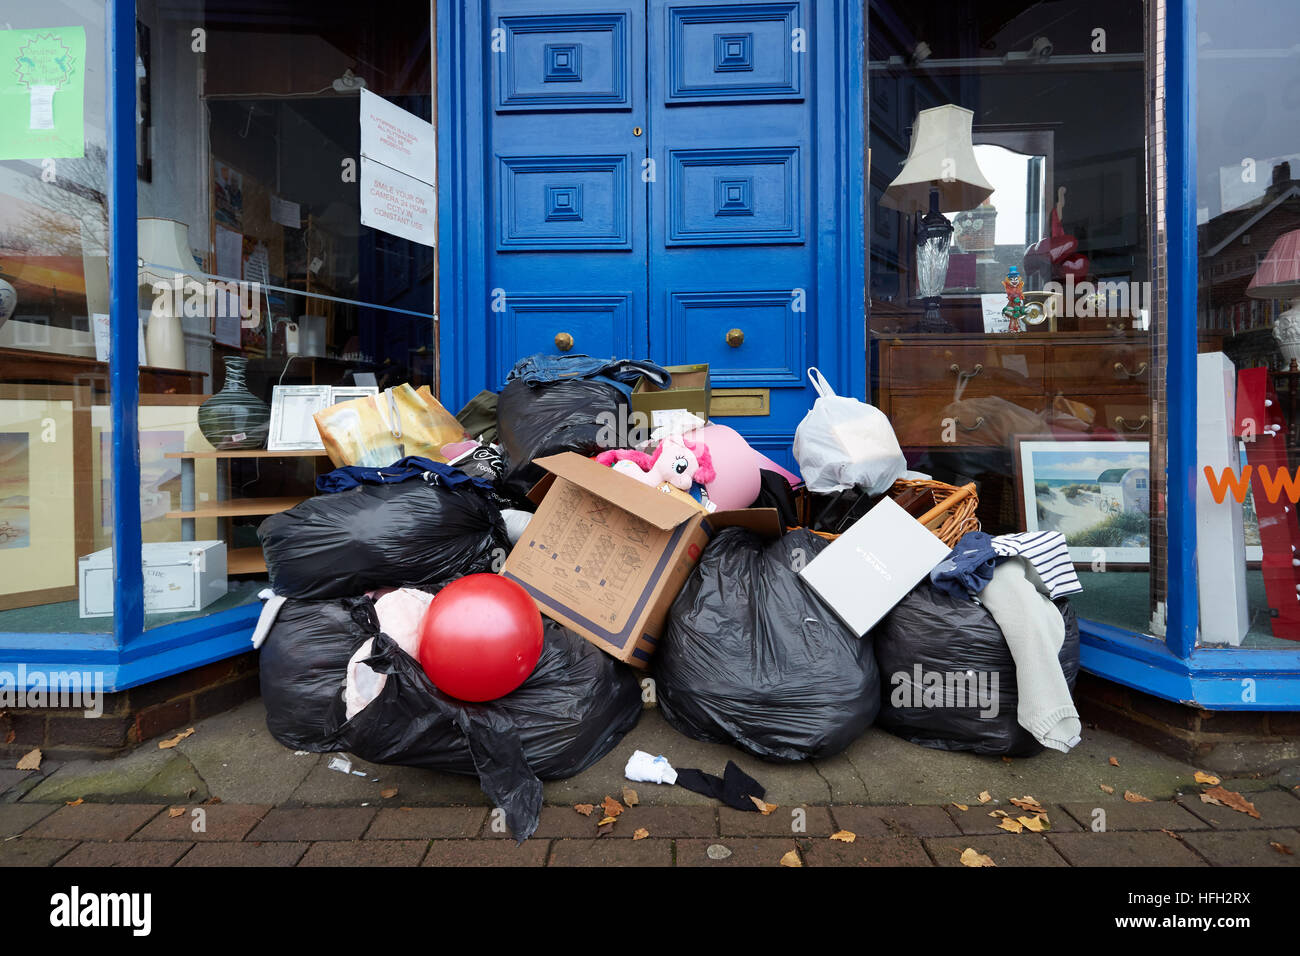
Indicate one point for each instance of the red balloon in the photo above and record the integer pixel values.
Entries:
(480, 637)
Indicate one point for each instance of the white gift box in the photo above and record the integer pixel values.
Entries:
(178, 576)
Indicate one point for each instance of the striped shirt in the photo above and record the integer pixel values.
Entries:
(1049, 555)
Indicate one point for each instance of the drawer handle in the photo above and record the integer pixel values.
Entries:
(735, 338)
(564, 341)
(969, 428)
(1143, 422)
(956, 370)
(1121, 370)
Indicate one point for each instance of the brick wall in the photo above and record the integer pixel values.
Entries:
(131, 716)
(1235, 742)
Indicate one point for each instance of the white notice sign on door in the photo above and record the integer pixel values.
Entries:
(398, 204)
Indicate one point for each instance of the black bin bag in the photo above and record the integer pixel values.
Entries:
(406, 534)
(752, 657)
(534, 421)
(573, 709)
(948, 635)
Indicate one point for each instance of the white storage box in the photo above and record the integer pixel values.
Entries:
(178, 576)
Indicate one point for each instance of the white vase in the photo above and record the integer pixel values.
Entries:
(1287, 332)
(164, 341)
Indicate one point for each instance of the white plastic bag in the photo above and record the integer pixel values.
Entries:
(844, 443)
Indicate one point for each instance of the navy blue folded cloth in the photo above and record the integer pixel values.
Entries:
(404, 469)
(968, 568)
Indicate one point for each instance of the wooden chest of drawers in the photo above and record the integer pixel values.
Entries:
(964, 390)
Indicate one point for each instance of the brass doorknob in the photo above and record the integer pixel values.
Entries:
(563, 341)
(735, 338)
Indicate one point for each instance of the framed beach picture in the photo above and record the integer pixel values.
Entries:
(1095, 492)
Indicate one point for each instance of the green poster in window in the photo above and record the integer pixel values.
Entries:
(42, 92)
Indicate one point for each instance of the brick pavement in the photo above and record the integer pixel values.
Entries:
(1180, 832)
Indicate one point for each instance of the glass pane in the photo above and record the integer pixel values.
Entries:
(259, 273)
(55, 502)
(1248, 316)
(1022, 356)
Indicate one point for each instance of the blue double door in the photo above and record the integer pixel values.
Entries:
(670, 181)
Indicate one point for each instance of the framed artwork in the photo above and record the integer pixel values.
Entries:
(45, 521)
(168, 424)
(1095, 492)
(292, 425)
(346, 393)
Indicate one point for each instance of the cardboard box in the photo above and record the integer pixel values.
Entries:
(690, 392)
(178, 576)
(606, 555)
(868, 569)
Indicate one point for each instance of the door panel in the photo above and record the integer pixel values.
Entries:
(566, 209)
(733, 273)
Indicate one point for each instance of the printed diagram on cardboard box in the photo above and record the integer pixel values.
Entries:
(599, 555)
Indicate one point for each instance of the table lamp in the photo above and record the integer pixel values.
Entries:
(164, 253)
(1278, 277)
(940, 173)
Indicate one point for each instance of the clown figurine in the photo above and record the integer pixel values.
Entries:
(1015, 309)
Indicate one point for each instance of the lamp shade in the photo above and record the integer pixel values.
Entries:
(1278, 276)
(164, 250)
(942, 156)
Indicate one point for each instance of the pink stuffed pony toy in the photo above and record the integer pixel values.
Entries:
(677, 461)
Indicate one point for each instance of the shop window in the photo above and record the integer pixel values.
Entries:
(55, 429)
(1248, 238)
(251, 191)
(1024, 356)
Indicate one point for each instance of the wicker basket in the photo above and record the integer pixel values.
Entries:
(952, 516)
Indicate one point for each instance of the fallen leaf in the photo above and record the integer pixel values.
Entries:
(1028, 803)
(1235, 801)
(604, 829)
(985, 796)
(1011, 826)
(175, 811)
(210, 801)
(1281, 848)
(1006, 760)
(791, 859)
(1176, 836)
(998, 813)
(629, 797)
(10, 736)
(844, 836)
(764, 808)
(970, 858)
(171, 742)
(75, 803)
(961, 806)
(1132, 797)
(717, 851)
(1106, 788)
(611, 806)
(640, 833)
(31, 760)
(607, 820)
(584, 808)
(389, 793)
(1036, 824)
(1202, 777)
(1113, 762)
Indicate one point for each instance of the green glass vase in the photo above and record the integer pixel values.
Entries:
(235, 418)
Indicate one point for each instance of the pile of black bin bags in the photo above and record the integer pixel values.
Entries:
(324, 554)
(752, 657)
